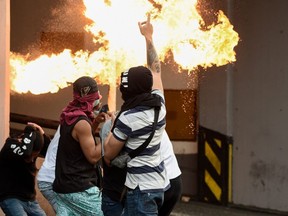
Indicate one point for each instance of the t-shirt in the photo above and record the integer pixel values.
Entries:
(147, 170)
(169, 157)
(47, 170)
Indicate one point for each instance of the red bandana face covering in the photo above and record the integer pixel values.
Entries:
(80, 106)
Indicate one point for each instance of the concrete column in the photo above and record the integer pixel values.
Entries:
(4, 70)
(229, 83)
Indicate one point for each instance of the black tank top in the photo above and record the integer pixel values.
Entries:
(74, 173)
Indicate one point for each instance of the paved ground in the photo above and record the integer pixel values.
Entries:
(203, 209)
(193, 208)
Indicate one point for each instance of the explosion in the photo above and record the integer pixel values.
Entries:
(178, 30)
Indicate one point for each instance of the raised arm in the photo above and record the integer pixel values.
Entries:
(153, 62)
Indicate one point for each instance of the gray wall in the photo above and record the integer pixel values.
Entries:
(256, 115)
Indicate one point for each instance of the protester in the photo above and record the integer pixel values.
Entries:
(173, 194)
(46, 174)
(18, 170)
(142, 92)
(78, 153)
(114, 179)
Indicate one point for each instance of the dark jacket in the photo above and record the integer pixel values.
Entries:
(18, 171)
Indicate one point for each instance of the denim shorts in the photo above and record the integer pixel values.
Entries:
(16, 207)
(46, 189)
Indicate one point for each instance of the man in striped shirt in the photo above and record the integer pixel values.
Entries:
(142, 90)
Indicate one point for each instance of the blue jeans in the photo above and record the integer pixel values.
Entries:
(16, 207)
(111, 207)
(143, 203)
(47, 191)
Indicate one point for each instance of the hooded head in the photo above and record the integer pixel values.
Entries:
(136, 81)
(37, 138)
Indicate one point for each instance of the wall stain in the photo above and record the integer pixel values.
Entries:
(266, 176)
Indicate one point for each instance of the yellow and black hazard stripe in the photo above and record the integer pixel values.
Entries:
(214, 166)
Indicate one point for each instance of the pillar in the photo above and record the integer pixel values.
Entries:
(4, 70)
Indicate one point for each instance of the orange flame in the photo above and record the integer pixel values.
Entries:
(178, 29)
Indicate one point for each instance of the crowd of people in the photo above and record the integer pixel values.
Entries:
(131, 169)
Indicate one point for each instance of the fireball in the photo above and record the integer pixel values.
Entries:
(178, 30)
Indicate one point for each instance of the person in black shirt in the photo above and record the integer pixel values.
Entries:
(18, 171)
(78, 152)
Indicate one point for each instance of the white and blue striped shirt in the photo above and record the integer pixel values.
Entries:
(134, 126)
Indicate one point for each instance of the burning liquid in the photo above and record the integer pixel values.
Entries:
(178, 29)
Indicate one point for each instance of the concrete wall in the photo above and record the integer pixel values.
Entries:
(261, 106)
(257, 113)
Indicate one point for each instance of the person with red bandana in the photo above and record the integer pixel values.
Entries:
(78, 152)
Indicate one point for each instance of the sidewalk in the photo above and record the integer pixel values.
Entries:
(195, 208)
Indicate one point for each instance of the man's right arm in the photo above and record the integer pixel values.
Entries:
(153, 62)
(83, 134)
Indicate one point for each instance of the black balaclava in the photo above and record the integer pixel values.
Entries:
(136, 81)
(38, 140)
(136, 88)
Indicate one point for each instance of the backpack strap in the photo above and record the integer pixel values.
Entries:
(138, 150)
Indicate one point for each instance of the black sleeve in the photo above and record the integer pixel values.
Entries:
(25, 147)
(28, 139)
(17, 149)
(47, 141)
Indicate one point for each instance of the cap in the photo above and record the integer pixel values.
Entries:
(85, 85)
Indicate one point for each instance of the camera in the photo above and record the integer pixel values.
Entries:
(104, 108)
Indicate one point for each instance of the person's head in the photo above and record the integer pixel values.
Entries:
(85, 89)
(33, 136)
(135, 81)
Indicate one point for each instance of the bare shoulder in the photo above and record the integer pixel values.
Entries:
(81, 128)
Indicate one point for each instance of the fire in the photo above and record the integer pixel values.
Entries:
(178, 29)
(50, 73)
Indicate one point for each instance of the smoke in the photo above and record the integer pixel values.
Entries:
(65, 29)
(67, 16)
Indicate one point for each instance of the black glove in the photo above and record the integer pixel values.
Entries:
(121, 160)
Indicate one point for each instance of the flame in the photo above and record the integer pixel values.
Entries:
(178, 29)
